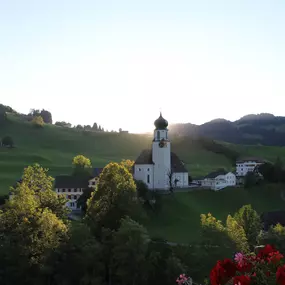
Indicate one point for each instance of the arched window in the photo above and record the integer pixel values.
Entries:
(158, 135)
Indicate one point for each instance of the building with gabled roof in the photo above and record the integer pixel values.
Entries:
(218, 180)
(72, 186)
(159, 167)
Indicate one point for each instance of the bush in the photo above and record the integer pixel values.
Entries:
(7, 141)
(38, 121)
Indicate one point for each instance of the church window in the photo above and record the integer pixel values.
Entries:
(139, 169)
(158, 135)
(148, 169)
(148, 178)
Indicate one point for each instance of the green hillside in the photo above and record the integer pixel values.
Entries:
(54, 147)
(179, 217)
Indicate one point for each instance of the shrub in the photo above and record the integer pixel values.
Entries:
(38, 121)
(7, 141)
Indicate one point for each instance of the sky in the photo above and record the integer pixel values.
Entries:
(119, 63)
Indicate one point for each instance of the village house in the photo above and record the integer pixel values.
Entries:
(217, 180)
(243, 166)
(72, 186)
(159, 167)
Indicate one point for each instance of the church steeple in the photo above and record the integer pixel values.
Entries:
(160, 123)
(161, 131)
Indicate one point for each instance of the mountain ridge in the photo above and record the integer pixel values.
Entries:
(263, 128)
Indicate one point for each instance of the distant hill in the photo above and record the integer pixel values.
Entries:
(265, 129)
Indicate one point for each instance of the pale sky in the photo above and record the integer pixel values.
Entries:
(119, 62)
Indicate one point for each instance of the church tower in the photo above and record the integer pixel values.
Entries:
(161, 154)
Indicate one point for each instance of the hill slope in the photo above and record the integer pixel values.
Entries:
(54, 147)
(263, 129)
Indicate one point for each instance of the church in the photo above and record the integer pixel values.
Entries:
(158, 167)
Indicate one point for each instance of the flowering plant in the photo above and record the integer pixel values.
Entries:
(263, 268)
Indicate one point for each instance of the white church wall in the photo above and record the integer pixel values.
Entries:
(144, 172)
(183, 180)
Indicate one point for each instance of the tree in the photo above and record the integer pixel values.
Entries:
(38, 121)
(84, 197)
(7, 141)
(237, 234)
(128, 164)
(79, 260)
(29, 234)
(251, 223)
(87, 128)
(170, 180)
(130, 253)
(3, 115)
(63, 124)
(250, 180)
(95, 127)
(82, 165)
(46, 115)
(114, 198)
(142, 189)
(37, 180)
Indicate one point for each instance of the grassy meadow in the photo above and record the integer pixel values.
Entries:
(179, 217)
(54, 147)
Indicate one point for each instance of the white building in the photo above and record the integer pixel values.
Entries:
(158, 167)
(72, 187)
(218, 180)
(243, 166)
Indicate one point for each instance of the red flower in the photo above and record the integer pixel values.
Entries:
(245, 267)
(265, 252)
(242, 280)
(222, 272)
(280, 275)
(275, 257)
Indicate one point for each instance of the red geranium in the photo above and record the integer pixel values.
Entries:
(265, 252)
(222, 272)
(241, 280)
(280, 275)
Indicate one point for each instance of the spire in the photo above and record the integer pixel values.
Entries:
(160, 123)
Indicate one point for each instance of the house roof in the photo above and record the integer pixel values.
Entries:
(255, 159)
(214, 174)
(69, 181)
(177, 165)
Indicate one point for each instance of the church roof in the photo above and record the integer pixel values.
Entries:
(146, 158)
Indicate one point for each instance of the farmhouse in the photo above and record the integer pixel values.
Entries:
(217, 180)
(72, 187)
(158, 167)
(249, 164)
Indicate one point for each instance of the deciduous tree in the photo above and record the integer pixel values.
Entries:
(130, 253)
(29, 233)
(82, 165)
(38, 181)
(128, 164)
(38, 121)
(251, 223)
(114, 198)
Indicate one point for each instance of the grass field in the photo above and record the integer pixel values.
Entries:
(179, 218)
(54, 147)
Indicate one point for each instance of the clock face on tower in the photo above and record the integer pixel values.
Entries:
(162, 143)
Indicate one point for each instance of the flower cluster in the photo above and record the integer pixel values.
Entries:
(249, 269)
(183, 279)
